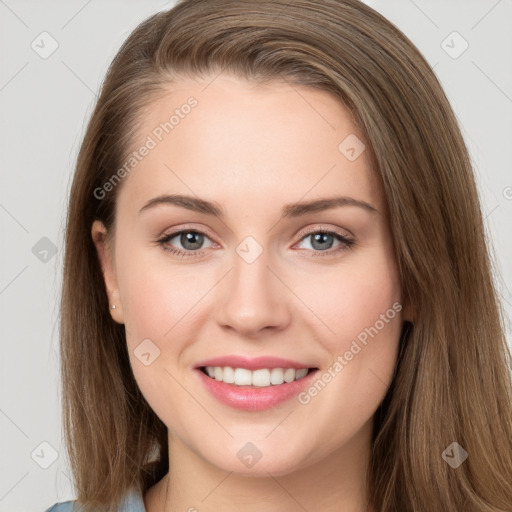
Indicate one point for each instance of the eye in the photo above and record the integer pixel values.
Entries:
(191, 241)
(322, 240)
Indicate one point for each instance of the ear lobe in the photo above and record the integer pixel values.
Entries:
(106, 260)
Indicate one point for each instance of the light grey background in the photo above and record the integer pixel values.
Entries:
(44, 104)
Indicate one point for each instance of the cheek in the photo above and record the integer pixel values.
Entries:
(158, 308)
(352, 298)
(155, 295)
(360, 309)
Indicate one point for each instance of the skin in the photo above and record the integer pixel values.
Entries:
(253, 149)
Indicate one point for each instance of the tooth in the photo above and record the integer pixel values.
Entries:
(301, 373)
(228, 375)
(261, 378)
(276, 376)
(243, 377)
(289, 375)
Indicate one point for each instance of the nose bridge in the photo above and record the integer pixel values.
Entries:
(253, 296)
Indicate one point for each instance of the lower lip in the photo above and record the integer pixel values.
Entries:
(249, 398)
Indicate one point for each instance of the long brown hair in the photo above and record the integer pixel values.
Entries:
(452, 380)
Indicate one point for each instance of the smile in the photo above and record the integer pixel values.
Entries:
(263, 377)
(255, 390)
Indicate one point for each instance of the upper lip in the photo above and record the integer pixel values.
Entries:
(255, 363)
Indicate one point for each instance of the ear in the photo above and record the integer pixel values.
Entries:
(106, 259)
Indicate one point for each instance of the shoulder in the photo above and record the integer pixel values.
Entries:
(66, 506)
(131, 502)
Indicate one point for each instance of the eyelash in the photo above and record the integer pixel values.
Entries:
(347, 243)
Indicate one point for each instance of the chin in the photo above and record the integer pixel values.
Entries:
(254, 462)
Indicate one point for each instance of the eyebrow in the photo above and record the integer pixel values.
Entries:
(289, 211)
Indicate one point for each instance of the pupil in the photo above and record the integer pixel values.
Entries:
(321, 238)
(187, 240)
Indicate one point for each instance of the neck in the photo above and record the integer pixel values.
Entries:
(336, 482)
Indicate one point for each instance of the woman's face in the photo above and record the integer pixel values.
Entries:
(283, 253)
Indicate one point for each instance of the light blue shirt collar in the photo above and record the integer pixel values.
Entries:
(132, 501)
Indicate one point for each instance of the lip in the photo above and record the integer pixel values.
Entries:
(251, 398)
(256, 363)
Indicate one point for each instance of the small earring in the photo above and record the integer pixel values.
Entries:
(113, 306)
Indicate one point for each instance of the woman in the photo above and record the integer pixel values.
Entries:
(216, 355)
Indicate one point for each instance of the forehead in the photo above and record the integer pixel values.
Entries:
(234, 141)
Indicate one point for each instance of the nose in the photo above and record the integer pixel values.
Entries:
(253, 298)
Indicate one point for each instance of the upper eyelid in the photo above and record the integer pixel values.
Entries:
(185, 229)
(311, 231)
(327, 230)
